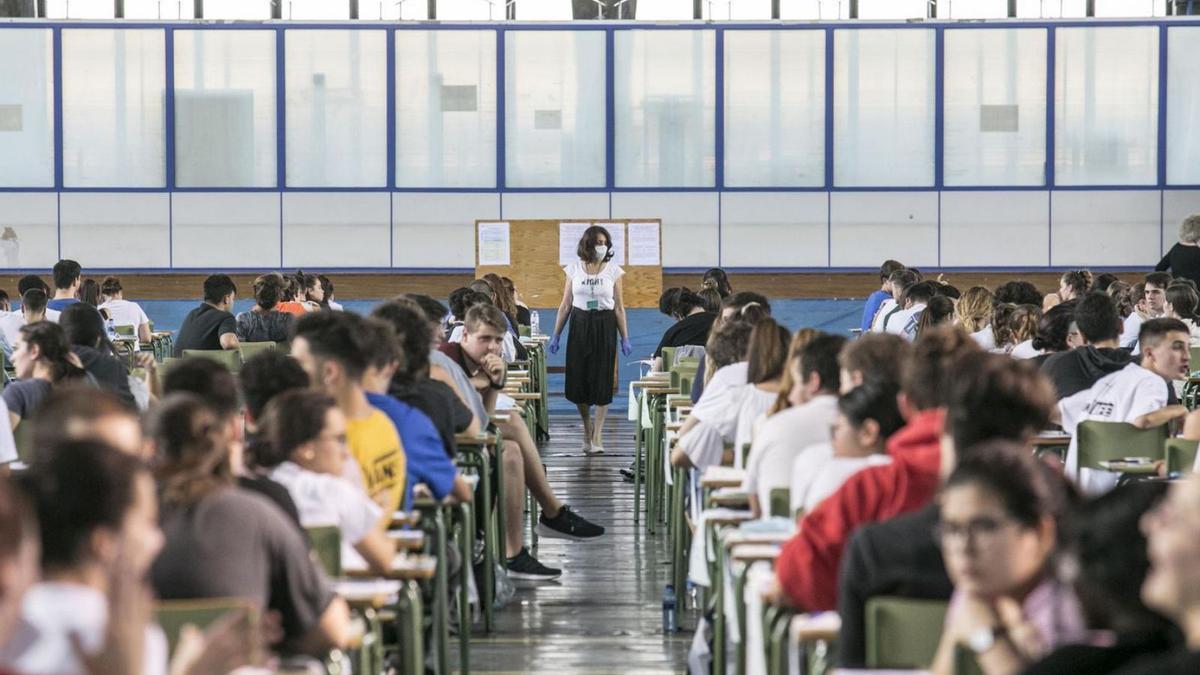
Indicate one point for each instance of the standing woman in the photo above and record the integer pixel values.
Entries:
(592, 298)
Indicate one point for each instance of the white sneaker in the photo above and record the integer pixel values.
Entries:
(587, 447)
(597, 449)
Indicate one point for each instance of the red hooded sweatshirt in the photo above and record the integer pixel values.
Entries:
(808, 565)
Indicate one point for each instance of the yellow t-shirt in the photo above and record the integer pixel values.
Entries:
(376, 447)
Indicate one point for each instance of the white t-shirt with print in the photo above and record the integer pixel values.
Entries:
(125, 313)
(782, 437)
(593, 291)
(717, 413)
(816, 474)
(1122, 396)
(899, 322)
(880, 316)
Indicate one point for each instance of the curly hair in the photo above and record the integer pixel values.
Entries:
(973, 311)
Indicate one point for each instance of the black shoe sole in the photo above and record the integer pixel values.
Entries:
(527, 576)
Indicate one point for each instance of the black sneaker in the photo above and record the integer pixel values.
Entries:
(525, 566)
(567, 525)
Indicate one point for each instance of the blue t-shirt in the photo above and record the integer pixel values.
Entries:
(59, 304)
(427, 460)
(874, 300)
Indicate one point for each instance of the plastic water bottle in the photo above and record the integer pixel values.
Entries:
(670, 615)
(535, 323)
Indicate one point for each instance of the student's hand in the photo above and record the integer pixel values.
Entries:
(1022, 634)
(626, 347)
(495, 368)
(969, 614)
(553, 347)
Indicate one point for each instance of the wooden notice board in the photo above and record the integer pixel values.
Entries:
(534, 262)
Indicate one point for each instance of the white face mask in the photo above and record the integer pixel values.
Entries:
(601, 251)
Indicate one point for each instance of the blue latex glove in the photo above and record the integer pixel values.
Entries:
(626, 348)
(554, 345)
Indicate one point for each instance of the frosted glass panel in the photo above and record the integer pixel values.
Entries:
(445, 108)
(893, 9)
(1106, 106)
(237, 9)
(1183, 106)
(995, 107)
(554, 109)
(774, 108)
(973, 9)
(225, 108)
(26, 108)
(883, 108)
(665, 108)
(336, 108)
(113, 82)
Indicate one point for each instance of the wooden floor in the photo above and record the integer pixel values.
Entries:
(604, 615)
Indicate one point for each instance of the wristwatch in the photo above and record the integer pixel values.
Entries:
(982, 639)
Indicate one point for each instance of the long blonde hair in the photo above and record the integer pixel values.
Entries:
(799, 339)
(973, 310)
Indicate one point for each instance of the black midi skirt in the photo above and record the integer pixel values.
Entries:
(591, 356)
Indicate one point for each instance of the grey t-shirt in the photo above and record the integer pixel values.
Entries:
(24, 396)
(234, 543)
(474, 400)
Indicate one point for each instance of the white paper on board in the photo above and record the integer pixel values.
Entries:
(495, 244)
(643, 244)
(568, 240)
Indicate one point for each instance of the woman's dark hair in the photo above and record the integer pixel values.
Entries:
(768, 351)
(879, 357)
(266, 375)
(716, 279)
(1103, 281)
(111, 286)
(504, 299)
(1106, 549)
(1018, 293)
(412, 335)
(83, 326)
(1002, 322)
(1183, 299)
(291, 419)
(668, 300)
(268, 290)
(305, 281)
(192, 449)
(710, 299)
(993, 396)
(89, 292)
(938, 310)
(463, 299)
(81, 487)
(1079, 281)
(873, 401)
(587, 243)
(1054, 326)
(728, 344)
(820, 356)
(686, 302)
(327, 287)
(53, 348)
(1026, 488)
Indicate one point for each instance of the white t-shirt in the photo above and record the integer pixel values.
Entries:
(884, 309)
(593, 291)
(51, 613)
(781, 439)
(1122, 396)
(125, 313)
(985, 338)
(1131, 327)
(816, 474)
(717, 412)
(899, 322)
(8, 446)
(755, 404)
(1024, 350)
(323, 499)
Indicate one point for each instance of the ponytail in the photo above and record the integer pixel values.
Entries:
(53, 349)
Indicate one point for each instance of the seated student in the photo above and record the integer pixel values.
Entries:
(210, 326)
(68, 277)
(1149, 305)
(31, 281)
(302, 444)
(692, 326)
(668, 300)
(716, 279)
(412, 384)
(807, 567)
(98, 513)
(867, 416)
(311, 293)
(463, 302)
(788, 434)
(710, 299)
(1071, 285)
(1104, 559)
(122, 311)
(1183, 260)
(42, 359)
(222, 541)
(1172, 530)
(263, 322)
(713, 422)
(1053, 332)
(508, 306)
(333, 348)
(899, 281)
(1000, 510)
(904, 321)
(327, 301)
(426, 462)
(77, 412)
(1181, 303)
(973, 313)
(1018, 293)
(876, 358)
(524, 315)
(441, 367)
(263, 377)
(84, 328)
(747, 306)
(292, 298)
(876, 299)
(1099, 326)
(1022, 328)
(33, 309)
(217, 387)
(767, 358)
(1139, 394)
(938, 310)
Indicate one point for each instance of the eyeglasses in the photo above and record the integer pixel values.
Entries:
(977, 530)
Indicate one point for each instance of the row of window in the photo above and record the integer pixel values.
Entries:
(334, 122)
